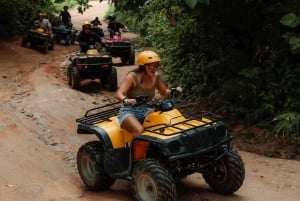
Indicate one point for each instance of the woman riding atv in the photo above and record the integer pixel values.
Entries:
(141, 81)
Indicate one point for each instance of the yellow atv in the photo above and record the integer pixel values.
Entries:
(39, 38)
(172, 147)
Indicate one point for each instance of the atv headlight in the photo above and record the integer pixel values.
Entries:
(174, 147)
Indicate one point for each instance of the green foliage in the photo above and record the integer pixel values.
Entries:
(287, 126)
(290, 20)
(17, 15)
(240, 55)
(193, 3)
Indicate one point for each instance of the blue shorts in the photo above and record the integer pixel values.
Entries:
(139, 112)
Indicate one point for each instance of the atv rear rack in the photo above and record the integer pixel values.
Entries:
(100, 114)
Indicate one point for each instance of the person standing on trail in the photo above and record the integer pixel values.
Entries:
(65, 16)
(43, 23)
(86, 37)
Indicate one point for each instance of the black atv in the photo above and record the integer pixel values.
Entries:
(40, 39)
(172, 147)
(65, 33)
(120, 47)
(92, 65)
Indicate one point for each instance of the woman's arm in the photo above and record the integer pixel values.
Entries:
(162, 88)
(124, 87)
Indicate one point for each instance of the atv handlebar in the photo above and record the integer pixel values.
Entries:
(159, 104)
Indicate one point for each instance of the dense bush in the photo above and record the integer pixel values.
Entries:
(17, 16)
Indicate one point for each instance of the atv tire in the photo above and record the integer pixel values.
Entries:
(74, 37)
(91, 168)
(131, 57)
(68, 40)
(69, 77)
(75, 78)
(45, 47)
(112, 79)
(124, 59)
(24, 41)
(227, 175)
(52, 44)
(152, 182)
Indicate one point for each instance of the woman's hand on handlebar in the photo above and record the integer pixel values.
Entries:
(129, 101)
(179, 89)
(173, 92)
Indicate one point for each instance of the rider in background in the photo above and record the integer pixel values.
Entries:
(86, 37)
(43, 23)
(113, 25)
(65, 16)
(96, 22)
(96, 27)
(142, 81)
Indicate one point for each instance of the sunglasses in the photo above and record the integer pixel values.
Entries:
(153, 65)
(87, 28)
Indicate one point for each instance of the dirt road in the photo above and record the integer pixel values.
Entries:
(38, 140)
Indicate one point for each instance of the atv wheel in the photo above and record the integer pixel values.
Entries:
(45, 47)
(68, 40)
(152, 182)
(75, 78)
(125, 58)
(69, 77)
(52, 44)
(112, 79)
(131, 57)
(227, 175)
(74, 37)
(91, 168)
(24, 41)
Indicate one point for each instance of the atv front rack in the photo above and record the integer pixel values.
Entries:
(187, 126)
(100, 114)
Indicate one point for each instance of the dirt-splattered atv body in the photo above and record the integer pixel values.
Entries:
(40, 39)
(92, 65)
(171, 147)
(65, 33)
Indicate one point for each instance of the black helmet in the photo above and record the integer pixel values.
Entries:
(111, 16)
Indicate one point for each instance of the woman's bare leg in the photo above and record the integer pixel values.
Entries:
(132, 125)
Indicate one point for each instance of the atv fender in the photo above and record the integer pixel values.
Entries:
(108, 132)
(99, 132)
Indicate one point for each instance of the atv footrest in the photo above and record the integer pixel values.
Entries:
(100, 114)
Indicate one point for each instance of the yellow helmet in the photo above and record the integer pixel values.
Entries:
(43, 14)
(86, 23)
(147, 57)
